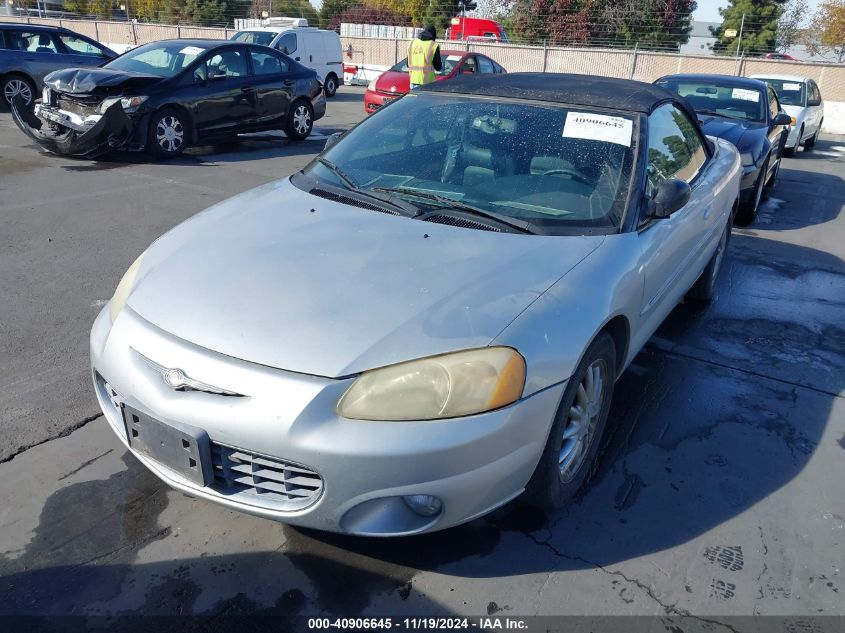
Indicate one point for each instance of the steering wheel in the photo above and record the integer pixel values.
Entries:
(572, 173)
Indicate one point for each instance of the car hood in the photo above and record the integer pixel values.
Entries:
(793, 110)
(91, 80)
(732, 130)
(283, 278)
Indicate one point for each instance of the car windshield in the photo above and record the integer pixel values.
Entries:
(448, 61)
(164, 59)
(789, 92)
(263, 38)
(555, 169)
(722, 99)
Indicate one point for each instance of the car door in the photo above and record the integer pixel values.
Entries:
(274, 86)
(290, 45)
(80, 51)
(777, 133)
(814, 105)
(226, 101)
(673, 249)
(314, 53)
(38, 52)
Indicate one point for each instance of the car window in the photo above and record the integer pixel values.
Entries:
(266, 63)
(164, 59)
(264, 38)
(485, 66)
(565, 170)
(230, 63)
(287, 43)
(788, 92)
(720, 98)
(32, 42)
(79, 46)
(774, 106)
(675, 149)
(469, 66)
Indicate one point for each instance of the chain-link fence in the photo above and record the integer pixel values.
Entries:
(629, 64)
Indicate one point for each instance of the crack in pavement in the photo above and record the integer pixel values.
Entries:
(681, 355)
(63, 433)
(669, 609)
(84, 464)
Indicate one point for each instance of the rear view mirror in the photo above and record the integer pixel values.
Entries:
(332, 140)
(782, 119)
(672, 194)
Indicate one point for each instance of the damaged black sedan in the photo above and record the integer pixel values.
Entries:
(163, 97)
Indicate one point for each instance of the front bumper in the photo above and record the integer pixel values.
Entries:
(472, 464)
(375, 100)
(70, 134)
(747, 182)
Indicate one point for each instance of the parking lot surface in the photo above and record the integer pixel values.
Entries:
(718, 491)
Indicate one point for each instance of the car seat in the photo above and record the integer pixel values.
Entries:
(483, 160)
(45, 45)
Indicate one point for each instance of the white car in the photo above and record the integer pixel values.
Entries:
(312, 47)
(801, 98)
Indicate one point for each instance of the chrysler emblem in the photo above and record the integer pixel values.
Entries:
(174, 378)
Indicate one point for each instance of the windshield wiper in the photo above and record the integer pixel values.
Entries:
(522, 227)
(337, 171)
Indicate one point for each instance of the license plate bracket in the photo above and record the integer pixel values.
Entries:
(184, 449)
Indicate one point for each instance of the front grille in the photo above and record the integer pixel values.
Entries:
(260, 480)
(354, 202)
(460, 222)
(83, 106)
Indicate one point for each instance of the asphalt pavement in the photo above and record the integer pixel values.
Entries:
(719, 490)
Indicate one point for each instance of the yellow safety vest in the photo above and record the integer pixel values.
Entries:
(421, 61)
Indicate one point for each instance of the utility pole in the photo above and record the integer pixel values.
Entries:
(739, 41)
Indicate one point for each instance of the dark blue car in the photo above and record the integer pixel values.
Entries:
(747, 113)
(165, 96)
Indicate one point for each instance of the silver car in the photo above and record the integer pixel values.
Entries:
(801, 98)
(29, 52)
(428, 320)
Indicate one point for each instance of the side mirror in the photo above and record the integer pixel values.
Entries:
(782, 119)
(332, 140)
(671, 195)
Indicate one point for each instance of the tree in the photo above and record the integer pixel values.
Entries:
(295, 9)
(826, 35)
(99, 8)
(332, 8)
(652, 24)
(759, 28)
(205, 12)
(789, 26)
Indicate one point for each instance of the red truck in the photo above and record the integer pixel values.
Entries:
(476, 29)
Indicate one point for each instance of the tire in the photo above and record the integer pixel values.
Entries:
(14, 84)
(330, 86)
(748, 210)
(790, 151)
(704, 289)
(168, 134)
(300, 120)
(811, 142)
(569, 456)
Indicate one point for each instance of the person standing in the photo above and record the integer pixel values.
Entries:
(424, 58)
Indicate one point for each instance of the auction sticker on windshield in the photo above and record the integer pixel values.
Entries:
(745, 95)
(598, 127)
(792, 86)
(191, 50)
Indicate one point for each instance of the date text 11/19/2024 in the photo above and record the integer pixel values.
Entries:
(414, 624)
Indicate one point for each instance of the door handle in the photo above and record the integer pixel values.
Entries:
(247, 89)
(288, 82)
(297, 58)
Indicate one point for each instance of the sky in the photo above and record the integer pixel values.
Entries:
(708, 10)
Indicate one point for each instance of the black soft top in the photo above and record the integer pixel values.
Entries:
(623, 95)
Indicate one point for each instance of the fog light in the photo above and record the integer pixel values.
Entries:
(424, 505)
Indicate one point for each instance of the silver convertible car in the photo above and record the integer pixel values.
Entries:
(428, 320)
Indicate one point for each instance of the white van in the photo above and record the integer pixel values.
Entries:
(310, 46)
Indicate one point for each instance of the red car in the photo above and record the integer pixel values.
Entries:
(783, 56)
(393, 83)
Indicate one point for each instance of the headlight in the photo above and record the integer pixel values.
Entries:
(124, 288)
(372, 84)
(453, 385)
(129, 104)
(747, 159)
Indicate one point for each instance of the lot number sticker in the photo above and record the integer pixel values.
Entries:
(792, 86)
(598, 127)
(191, 50)
(745, 95)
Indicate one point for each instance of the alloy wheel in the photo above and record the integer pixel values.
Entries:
(301, 120)
(579, 430)
(15, 88)
(169, 133)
